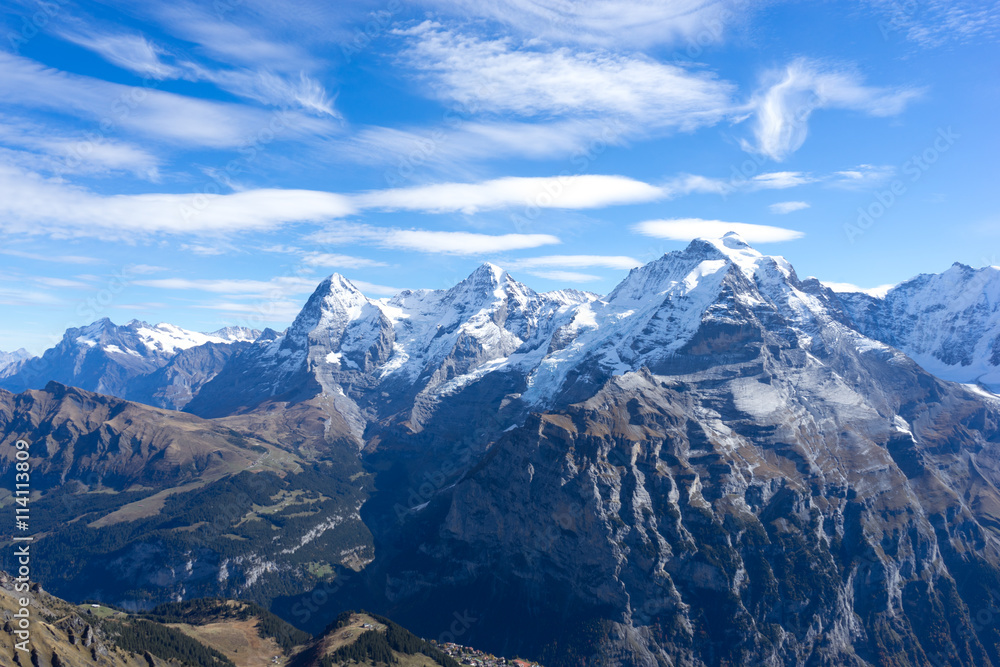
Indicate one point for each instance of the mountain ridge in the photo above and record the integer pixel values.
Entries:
(119, 360)
(713, 464)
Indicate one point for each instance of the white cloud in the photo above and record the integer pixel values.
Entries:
(16, 295)
(780, 180)
(333, 260)
(258, 82)
(444, 147)
(143, 269)
(574, 262)
(228, 40)
(236, 287)
(565, 276)
(30, 204)
(429, 241)
(204, 250)
(569, 192)
(609, 23)
(877, 292)
(62, 283)
(462, 243)
(494, 76)
(783, 207)
(934, 23)
(50, 149)
(59, 259)
(166, 116)
(554, 267)
(862, 176)
(694, 184)
(269, 88)
(685, 229)
(789, 97)
(128, 51)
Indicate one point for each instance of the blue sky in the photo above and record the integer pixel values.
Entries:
(208, 163)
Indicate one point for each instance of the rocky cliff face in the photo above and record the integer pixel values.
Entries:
(737, 515)
(717, 463)
(767, 487)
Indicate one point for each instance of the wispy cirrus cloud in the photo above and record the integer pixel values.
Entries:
(329, 260)
(780, 180)
(564, 276)
(281, 285)
(934, 23)
(166, 116)
(130, 51)
(255, 80)
(687, 184)
(784, 207)
(608, 23)
(39, 147)
(295, 91)
(685, 229)
(460, 243)
(452, 146)
(789, 96)
(556, 267)
(862, 176)
(58, 259)
(497, 76)
(574, 262)
(233, 39)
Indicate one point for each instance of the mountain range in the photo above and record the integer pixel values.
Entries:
(716, 463)
(161, 365)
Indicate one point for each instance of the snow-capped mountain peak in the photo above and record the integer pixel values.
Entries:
(488, 273)
(714, 297)
(487, 283)
(10, 360)
(234, 334)
(334, 303)
(948, 322)
(123, 360)
(169, 339)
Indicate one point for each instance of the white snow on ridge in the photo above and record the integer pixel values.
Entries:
(171, 339)
(847, 288)
(438, 342)
(949, 323)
